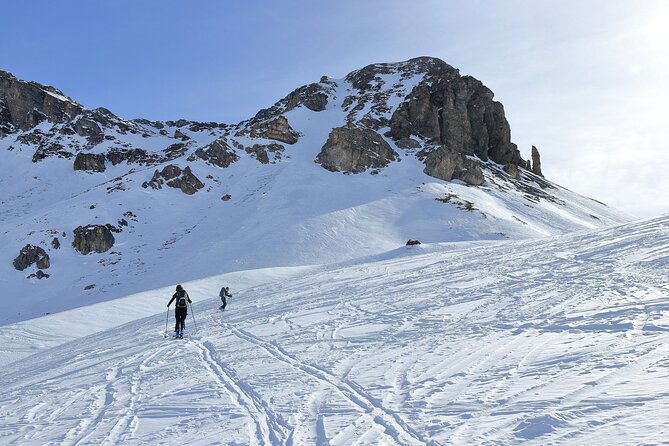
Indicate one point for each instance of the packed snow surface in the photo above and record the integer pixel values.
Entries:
(559, 340)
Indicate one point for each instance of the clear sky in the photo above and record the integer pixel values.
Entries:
(585, 81)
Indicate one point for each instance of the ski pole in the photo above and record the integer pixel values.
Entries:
(192, 313)
(167, 316)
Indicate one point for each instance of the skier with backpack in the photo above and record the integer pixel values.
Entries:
(225, 292)
(180, 310)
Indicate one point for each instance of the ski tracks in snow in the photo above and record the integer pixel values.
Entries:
(123, 429)
(390, 421)
(267, 428)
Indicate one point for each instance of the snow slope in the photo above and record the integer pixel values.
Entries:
(560, 340)
(291, 213)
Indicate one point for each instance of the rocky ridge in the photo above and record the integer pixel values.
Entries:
(421, 110)
(422, 105)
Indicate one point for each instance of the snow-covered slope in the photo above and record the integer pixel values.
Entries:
(287, 212)
(560, 340)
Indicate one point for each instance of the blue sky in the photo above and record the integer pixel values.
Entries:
(585, 81)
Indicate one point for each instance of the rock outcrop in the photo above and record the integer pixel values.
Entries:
(218, 153)
(93, 238)
(277, 129)
(355, 150)
(262, 152)
(23, 105)
(131, 156)
(512, 170)
(536, 162)
(32, 255)
(175, 177)
(447, 164)
(455, 111)
(91, 162)
(313, 96)
(38, 275)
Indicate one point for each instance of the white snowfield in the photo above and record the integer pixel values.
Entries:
(560, 340)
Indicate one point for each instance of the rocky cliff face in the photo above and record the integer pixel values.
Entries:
(23, 105)
(354, 150)
(420, 105)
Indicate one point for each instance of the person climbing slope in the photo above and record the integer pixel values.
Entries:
(225, 292)
(180, 310)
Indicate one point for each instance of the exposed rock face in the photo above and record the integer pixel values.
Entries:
(26, 104)
(355, 150)
(313, 96)
(92, 162)
(87, 127)
(261, 152)
(456, 111)
(55, 243)
(174, 151)
(184, 179)
(277, 129)
(187, 182)
(447, 164)
(52, 149)
(38, 275)
(29, 255)
(412, 242)
(6, 125)
(407, 143)
(512, 170)
(536, 162)
(93, 238)
(219, 153)
(181, 135)
(131, 156)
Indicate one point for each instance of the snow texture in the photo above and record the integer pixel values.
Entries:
(529, 314)
(561, 340)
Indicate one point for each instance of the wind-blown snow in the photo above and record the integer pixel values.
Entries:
(561, 340)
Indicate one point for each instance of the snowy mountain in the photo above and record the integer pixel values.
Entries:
(96, 207)
(558, 340)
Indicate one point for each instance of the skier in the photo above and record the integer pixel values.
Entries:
(180, 310)
(225, 292)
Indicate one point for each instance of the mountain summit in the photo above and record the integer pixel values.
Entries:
(96, 206)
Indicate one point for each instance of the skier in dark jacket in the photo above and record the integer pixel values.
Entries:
(180, 310)
(225, 292)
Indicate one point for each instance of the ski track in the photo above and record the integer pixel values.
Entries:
(390, 421)
(267, 429)
(551, 342)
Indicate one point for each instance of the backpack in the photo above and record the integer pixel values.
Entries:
(182, 300)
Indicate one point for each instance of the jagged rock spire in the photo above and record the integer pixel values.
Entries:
(536, 162)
